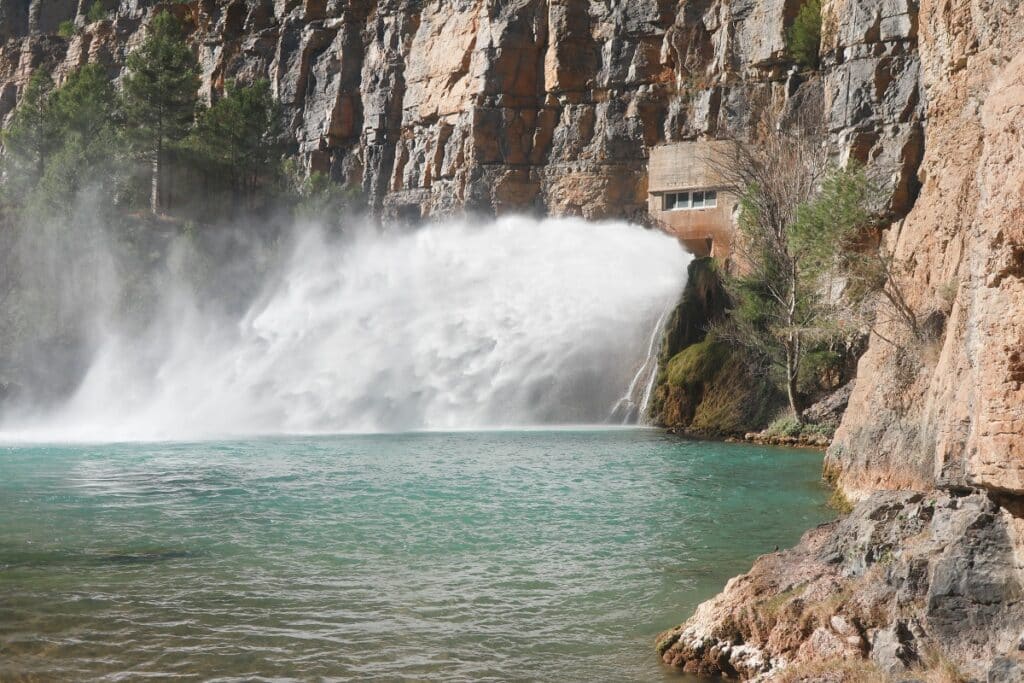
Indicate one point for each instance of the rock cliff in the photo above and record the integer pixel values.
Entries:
(445, 106)
(924, 578)
(951, 412)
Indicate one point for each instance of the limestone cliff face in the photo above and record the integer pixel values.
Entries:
(442, 106)
(951, 412)
(927, 580)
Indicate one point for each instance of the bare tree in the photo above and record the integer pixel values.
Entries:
(874, 290)
(782, 302)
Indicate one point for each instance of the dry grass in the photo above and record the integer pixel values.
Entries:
(936, 668)
(832, 671)
(773, 605)
(819, 613)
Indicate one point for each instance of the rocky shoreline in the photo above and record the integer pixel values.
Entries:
(911, 585)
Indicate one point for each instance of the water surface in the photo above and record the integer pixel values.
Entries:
(544, 555)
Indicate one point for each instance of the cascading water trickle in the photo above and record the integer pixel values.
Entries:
(458, 326)
(632, 407)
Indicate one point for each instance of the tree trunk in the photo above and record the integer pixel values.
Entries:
(154, 194)
(793, 349)
(792, 375)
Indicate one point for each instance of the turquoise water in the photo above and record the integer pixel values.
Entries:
(552, 555)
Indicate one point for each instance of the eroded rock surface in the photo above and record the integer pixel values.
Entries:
(443, 106)
(950, 410)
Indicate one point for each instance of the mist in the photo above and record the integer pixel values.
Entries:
(453, 325)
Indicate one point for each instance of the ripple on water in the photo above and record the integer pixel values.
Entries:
(494, 556)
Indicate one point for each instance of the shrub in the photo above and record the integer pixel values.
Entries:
(803, 40)
(785, 426)
(96, 12)
(791, 427)
(66, 29)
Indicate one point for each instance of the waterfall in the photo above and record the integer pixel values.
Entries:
(632, 407)
(511, 323)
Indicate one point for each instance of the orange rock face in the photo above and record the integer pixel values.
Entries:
(435, 108)
(951, 411)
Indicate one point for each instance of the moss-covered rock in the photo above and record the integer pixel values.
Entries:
(704, 385)
(703, 301)
(710, 391)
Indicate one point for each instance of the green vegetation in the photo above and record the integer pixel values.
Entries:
(706, 385)
(788, 426)
(803, 39)
(154, 145)
(697, 363)
(799, 219)
(66, 28)
(30, 138)
(96, 12)
(711, 386)
(238, 139)
(59, 138)
(318, 199)
(160, 97)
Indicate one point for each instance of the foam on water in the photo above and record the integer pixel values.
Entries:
(452, 326)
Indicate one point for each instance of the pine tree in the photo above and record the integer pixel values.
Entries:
(240, 137)
(803, 40)
(31, 138)
(160, 96)
(64, 133)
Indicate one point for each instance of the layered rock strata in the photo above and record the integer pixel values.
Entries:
(444, 106)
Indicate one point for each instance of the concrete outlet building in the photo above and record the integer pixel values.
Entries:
(686, 197)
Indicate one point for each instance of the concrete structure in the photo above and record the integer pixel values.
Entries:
(687, 198)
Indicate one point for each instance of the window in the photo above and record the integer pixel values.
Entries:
(699, 199)
(677, 200)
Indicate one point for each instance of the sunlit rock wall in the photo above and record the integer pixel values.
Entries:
(442, 106)
(951, 410)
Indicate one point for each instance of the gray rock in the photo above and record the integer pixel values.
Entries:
(893, 648)
(1006, 670)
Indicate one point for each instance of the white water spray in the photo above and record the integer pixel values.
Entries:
(517, 322)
